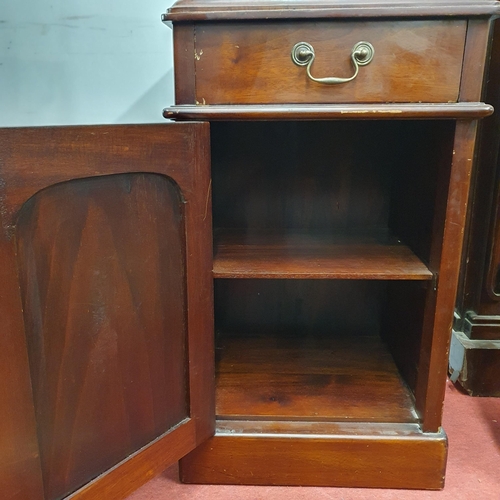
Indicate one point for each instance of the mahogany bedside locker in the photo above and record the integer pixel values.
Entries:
(264, 291)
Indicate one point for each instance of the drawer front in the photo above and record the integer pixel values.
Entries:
(250, 63)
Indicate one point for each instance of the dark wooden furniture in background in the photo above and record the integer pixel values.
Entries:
(475, 345)
(338, 215)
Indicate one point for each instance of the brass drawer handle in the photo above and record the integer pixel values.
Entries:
(361, 55)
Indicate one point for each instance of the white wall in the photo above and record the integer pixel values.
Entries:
(84, 62)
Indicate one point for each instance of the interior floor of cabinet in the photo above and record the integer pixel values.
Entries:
(271, 377)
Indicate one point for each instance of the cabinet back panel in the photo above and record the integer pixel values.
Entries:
(298, 307)
(103, 285)
(300, 175)
(326, 177)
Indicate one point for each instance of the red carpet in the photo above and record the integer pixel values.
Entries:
(473, 428)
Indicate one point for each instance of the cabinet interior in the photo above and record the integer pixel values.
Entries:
(323, 238)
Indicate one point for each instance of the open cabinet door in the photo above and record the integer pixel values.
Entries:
(106, 330)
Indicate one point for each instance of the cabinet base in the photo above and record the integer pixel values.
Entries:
(319, 454)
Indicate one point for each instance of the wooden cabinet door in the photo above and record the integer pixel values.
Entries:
(106, 331)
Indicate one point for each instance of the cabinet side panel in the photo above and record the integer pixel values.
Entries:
(451, 211)
(102, 276)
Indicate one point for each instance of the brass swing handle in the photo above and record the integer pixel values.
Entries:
(361, 55)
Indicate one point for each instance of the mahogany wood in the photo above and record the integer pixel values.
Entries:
(395, 457)
(475, 59)
(307, 428)
(307, 177)
(184, 69)
(20, 473)
(115, 278)
(401, 325)
(296, 309)
(241, 254)
(123, 479)
(334, 379)
(211, 10)
(241, 63)
(133, 205)
(445, 257)
(313, 177)
(291, 178)
(107, 369)
(270, 112)
(419, 189)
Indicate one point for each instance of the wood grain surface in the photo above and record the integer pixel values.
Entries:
(20, 472)
(445, 258)
(268, 112)
(103, 282)
(334, 379)
(184, 37)
(111, 230)
(476, 57)
(349, 177)
(242, 254)
(298, 307)
(398, 457)
(311, 177)
(240, 63)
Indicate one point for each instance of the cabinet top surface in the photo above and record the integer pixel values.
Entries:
(207, 10)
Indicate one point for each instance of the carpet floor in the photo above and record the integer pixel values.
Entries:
(473, 472)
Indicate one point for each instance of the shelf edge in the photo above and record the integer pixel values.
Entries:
(444, 111)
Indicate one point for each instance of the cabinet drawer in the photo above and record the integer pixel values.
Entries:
(250, 63)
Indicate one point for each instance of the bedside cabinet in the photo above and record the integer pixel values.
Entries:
(343, 136)
(268, 296)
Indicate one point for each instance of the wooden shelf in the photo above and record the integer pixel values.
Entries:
(240, 254)
(323, 379)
